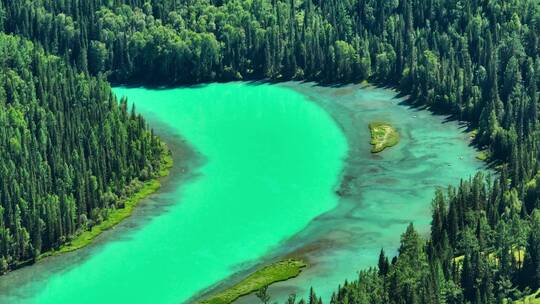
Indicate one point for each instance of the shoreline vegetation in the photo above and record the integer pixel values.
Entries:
(116, 216)
(263, 277)
(534, 298)
(383, 136)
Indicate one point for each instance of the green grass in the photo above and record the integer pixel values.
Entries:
(118, 215)
(519, 256)
(383, 136)
(482, 155)
(530, 299)
(279, 271)
(473, 134)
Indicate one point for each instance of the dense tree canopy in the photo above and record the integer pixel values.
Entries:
(477, 60)
(68, 152)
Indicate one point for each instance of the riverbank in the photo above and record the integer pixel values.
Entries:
(118, 215)
(183, 162)
(115, 217)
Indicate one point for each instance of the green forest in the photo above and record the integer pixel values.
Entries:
(70, 153)
(476, 60)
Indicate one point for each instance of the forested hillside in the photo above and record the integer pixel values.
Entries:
(477, 60)
(68, 151)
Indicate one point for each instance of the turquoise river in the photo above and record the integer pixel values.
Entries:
(262, 172)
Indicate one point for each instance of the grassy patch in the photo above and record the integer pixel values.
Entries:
(482, 155)
(273, 273)
(473, 134)
(519, 256)
(116, 216)
(383, 136)
(530, 299)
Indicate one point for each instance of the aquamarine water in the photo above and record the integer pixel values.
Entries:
(272, 158)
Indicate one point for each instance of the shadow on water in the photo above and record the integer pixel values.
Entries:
(160, 87)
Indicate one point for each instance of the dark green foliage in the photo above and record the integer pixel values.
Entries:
(477, 60)
(262, 294)
(68, 152)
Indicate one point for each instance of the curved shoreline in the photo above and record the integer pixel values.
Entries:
(116, 216)
(147, 188)
(178, 161)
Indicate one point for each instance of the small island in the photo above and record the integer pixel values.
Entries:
(383, 136)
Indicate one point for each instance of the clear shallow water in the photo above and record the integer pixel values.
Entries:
(273, 156)
(272, 162)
